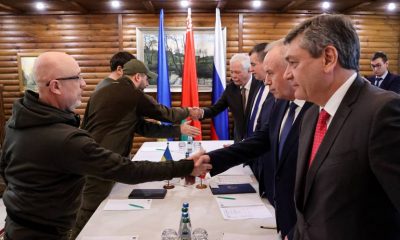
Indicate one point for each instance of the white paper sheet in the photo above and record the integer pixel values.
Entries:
(127, 204)
(232, 179)
(237, 170)
(152, 149)
(235, 213)
(238, 200)
(234, 236)
(135, 237)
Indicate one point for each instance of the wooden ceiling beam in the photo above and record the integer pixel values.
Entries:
(357, 6)
(221, 4)
(291, 5)
(77, 5)
(149, 6)
(5, 6)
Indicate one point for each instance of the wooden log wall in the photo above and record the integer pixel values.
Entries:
(93, 39)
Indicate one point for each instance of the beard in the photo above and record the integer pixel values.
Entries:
(75, 105)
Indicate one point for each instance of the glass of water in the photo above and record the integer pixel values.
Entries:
(200, 234)
(169, 234)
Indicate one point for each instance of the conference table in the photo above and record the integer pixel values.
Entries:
(148, 224)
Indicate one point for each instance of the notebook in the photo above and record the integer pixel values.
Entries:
(233, 188)
(148, 194)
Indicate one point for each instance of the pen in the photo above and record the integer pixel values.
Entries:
(267, 227)
(134, 205)
(230, 198)
(160, 149)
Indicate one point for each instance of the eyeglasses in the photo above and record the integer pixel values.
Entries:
(77, 77)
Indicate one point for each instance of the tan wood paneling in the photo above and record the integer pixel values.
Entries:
(93, 39)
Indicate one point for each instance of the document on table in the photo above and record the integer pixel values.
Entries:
(232, 179)
(135, 237)
(239, 200)
(237, 170)
(235, 213)
(127, 204)
(242, 206)
(233, 236)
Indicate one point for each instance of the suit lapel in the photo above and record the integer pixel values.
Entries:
(293, 136)
(276, 120)
(334, 129)
(305, 145)
(386, 82)
(255, 85)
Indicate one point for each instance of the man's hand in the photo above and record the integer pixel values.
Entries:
(186, 129)
(196, 113)
(201, 163)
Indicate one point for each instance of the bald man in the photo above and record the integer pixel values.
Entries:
(45, 156)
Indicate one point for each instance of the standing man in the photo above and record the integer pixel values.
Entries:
(279, 138)
(260, 114)
(116, 65)
(113, 115)
(238, 95)
(348, 169)
(45, 156)
(383, 78)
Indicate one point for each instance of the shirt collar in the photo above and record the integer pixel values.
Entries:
(299, 103)
(248, 84)
(333, 103)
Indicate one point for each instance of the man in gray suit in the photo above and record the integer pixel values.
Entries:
(348, 167)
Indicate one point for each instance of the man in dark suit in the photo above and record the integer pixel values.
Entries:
(382, 77)
(238, 95)
(348, 169)
(279, 137)
(259, 115)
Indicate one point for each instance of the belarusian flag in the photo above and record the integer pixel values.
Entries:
(190, 95)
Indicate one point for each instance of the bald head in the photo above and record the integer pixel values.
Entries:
(58, 78)
(275, 66)
(52, 65)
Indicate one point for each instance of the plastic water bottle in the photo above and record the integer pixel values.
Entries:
(185, 233)
(189, 179)
(189, 145)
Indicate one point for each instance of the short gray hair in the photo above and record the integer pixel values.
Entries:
(242, 58)
(329, 29)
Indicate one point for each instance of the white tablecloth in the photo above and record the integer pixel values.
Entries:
(165, 213)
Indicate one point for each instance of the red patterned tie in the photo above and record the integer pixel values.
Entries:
(319, 134)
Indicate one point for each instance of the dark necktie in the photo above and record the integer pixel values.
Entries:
(287, 126)
(320, 130)
(253, 115)
(243, 93)
(378, 81)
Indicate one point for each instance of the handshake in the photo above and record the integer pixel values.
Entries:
(196, 113)
(201, 163)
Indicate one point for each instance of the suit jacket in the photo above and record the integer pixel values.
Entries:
(263, 166)
(285, 167)
(390, 83)
(352, 189)
(231, 98)
(266, 140)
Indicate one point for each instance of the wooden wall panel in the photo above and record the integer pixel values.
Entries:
(93, 39)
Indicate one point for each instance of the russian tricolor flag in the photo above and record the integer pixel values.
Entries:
(219, 125)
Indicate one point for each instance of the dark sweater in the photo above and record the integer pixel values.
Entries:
(45, 157)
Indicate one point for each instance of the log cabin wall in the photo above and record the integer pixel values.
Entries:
(93, 39)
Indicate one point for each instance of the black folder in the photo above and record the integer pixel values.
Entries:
(233, 189)
(148, 194)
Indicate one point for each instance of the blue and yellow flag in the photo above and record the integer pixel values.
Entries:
(167, 155)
